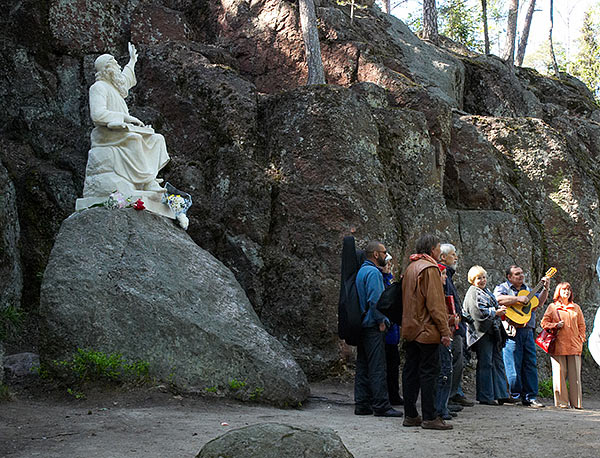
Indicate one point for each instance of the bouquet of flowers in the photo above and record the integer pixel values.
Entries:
(179, 202)
(116, 200)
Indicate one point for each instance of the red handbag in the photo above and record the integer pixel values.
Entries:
(546, 340)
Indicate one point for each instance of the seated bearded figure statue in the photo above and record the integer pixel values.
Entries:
(125, 155)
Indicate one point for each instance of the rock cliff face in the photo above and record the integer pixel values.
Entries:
(407, 138)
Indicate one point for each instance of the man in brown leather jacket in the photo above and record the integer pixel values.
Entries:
(424, 327)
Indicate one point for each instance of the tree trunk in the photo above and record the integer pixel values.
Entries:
(486, 34)
(511, 32)
(387, 6)
(312, 46)
(525, 33)
(552, 55)
(430, 26)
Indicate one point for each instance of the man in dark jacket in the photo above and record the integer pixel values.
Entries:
(449, 258)
(370, 386)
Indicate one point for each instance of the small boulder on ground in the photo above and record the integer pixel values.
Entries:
(20, 366)
(274, 440)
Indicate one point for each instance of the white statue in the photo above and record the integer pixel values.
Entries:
(126, 155)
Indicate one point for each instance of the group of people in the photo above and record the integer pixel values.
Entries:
(438, 329)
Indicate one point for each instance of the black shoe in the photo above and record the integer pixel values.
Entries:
(503, 401)
(488, 403)
(455, 408)
(388, 413)
(363, 410)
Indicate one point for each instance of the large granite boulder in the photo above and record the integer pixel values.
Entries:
(322, 190)
(476, 174)
(493, 89)
(493, 240)
(274, 440)
(131, 282)
(381, 49)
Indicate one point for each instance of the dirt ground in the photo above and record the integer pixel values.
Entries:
(151, 423)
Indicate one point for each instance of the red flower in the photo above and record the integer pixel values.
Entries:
(139, 205)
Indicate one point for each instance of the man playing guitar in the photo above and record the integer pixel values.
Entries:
(519, 353)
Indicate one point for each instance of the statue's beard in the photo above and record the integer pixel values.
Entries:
(114, 76)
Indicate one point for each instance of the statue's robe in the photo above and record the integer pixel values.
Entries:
(120, 159)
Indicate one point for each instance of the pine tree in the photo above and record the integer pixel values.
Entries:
(459, 22)
(587, 61)
(511, 32)
(312, 45)
(430, 25)
(484, 20)
(525, 33)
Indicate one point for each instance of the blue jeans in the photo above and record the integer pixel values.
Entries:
(491, 378)
(521, 365)
(444, 381)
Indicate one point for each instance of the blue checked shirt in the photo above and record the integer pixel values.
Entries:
(507, 289)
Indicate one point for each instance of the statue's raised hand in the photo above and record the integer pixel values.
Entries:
(132, 53)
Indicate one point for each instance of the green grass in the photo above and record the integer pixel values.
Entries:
(96, 366)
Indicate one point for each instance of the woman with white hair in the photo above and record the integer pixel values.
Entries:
(487, 337)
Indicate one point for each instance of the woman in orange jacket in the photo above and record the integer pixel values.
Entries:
(566, 318)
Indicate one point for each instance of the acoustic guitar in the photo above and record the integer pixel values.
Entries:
(521, 313)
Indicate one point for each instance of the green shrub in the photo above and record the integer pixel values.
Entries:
(97, 366)
(236, 385)
(545, 388)
(76, 394)
(11, 318)
(5, 394)
(256, 394)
